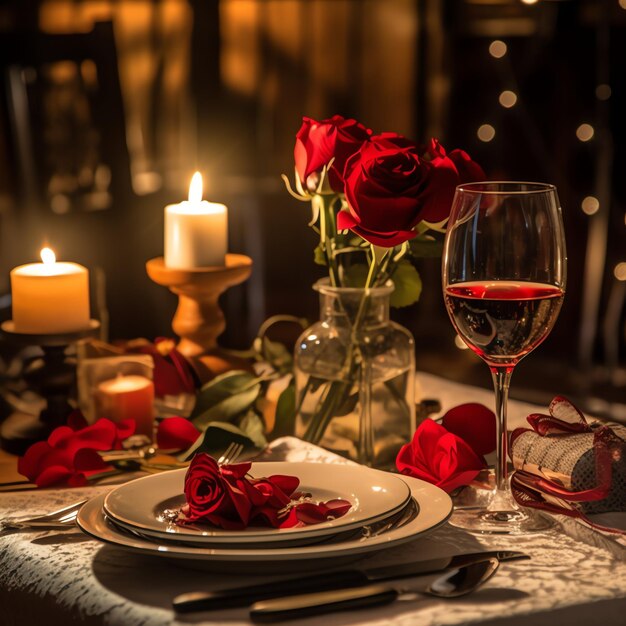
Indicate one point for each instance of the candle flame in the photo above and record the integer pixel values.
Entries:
(48, 256)
(195, 188)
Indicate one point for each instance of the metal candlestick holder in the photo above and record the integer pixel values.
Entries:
(199, 320)
(53, 377)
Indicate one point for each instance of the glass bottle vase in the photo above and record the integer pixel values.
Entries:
(355, 374)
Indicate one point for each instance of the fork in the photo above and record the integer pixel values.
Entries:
(57, 519)
(231, 454)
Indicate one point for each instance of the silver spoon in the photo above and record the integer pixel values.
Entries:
(452, 584)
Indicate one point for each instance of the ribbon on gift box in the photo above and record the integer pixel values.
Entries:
(567, 466)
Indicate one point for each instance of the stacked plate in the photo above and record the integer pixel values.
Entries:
(386, 510)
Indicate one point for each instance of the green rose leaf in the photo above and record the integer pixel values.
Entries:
(225, 397)
(277, 355)
(252, 426)
(408, 285)
(216, 438)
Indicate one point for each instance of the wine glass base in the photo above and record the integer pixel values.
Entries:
(500, 522)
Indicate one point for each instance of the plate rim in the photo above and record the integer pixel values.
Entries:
(420, 490)
(269, 535)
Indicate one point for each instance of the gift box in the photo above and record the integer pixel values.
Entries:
(566, 465)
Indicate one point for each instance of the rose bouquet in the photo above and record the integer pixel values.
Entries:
(378, 203)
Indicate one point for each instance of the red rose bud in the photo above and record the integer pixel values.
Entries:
(317, 143)
(439, 457)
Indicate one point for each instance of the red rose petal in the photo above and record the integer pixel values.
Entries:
(30, 464)
(238, 470)
(337, 508)
(287, 484)
(469, 171)
(310, 513)
(475, 424)
(87, 459)
(77, 479)
(291, 521)
(458, 480)
(52, 475)
(125, 429)
(60, 436)
(176, 433)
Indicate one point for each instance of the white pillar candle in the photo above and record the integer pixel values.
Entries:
(196, 231)
(128, 397)
(50, 297)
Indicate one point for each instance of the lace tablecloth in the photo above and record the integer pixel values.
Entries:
(575, 576)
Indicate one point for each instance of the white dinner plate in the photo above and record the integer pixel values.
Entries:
(435, 506)
(374, 495)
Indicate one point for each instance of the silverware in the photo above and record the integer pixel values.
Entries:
(145, 453)
(453, 583)
(57, 519)
(244, 596)
(139, 454)
(231, 454)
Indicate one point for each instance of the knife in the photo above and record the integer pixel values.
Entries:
(453, 583)
(245, 596)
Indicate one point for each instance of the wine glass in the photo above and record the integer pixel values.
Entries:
(504, 273)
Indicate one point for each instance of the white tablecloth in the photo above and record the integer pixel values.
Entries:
(575, 576)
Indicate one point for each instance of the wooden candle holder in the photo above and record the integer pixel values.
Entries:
(198, 320)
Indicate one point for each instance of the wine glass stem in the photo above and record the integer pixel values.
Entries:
(501, 379)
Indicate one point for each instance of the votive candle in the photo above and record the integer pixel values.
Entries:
(128, 397)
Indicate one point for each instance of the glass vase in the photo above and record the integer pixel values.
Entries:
(355, 374)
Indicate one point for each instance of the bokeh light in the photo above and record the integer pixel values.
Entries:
(508, 99)
(486, 132)
(497, 49)
(590, 205)
(585, 132)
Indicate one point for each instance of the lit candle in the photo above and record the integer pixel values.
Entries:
(128, 397)
(196, 231)
(50, 297)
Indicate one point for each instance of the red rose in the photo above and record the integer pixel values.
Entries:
(439, 457)
(391, 185)
(319, 142)
(70, 453)
(211, 496)
(450, 455)
(225, 496)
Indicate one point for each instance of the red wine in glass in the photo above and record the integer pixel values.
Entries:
(502, 321)
(504, 272)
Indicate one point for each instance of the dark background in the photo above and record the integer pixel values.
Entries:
(107, 108)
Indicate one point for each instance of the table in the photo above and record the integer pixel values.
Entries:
(575, 576)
